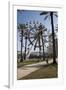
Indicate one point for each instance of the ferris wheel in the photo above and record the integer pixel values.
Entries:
(33, 35)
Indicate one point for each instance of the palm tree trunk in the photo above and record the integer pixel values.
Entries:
(53, 38)
(35, 44)
(25, 47)
(39, 47)
(43, 48)
(21, 46)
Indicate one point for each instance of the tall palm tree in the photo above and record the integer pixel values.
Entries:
(39, 39)
(26, 36)
(21, 28)
(52, 26)
(41, 28)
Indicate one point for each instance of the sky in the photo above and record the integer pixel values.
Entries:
(25, 16)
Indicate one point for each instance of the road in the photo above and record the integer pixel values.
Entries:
(27, 69)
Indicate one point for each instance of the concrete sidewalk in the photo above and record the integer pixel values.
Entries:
(24, 71)
(27, 69)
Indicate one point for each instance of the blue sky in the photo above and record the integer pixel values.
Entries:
(29, 15)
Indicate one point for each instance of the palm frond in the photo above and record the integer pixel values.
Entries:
(20, 11)
(21, 26)
(46, 17)
(56, 14)
(43, 13)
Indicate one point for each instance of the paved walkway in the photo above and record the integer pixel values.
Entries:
(27, 69)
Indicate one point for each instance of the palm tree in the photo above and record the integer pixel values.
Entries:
(26, 36)
(41, 28)
(21, 28)
(39, 39)
(52, 26)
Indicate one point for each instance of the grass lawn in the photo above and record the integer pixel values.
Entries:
(49, 71)
(20, 64)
